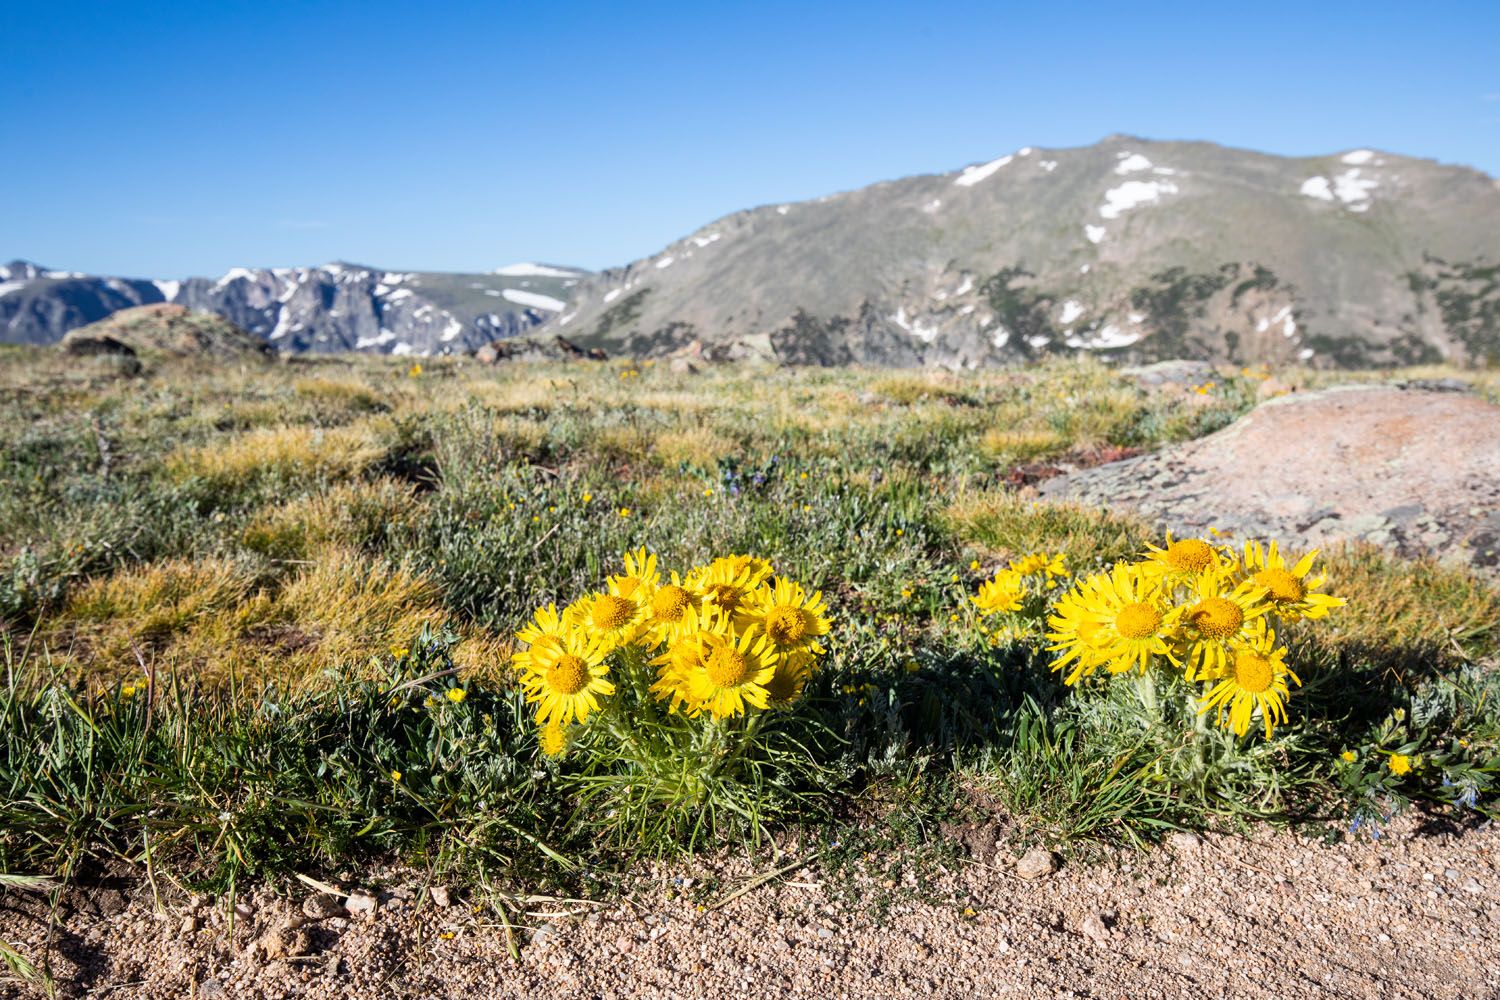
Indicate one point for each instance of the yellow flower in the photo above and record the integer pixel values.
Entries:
(1348, 756)
(1182, 558)
(1254, 681)
(792, 672)
(1401, 764)
(399, 651)
(615, 619)
(1289, 589)
(624, 511)
(546, 627)
(1040, 563)
(789, 617)
(565, 681)
(974, 564)
(727, 583)
(1117, 620)
(553, 739)
(587, 497)
(457, 695)
(1003, 592)
(127, 691)
(1223, 617)
(668, 612)
(734, 674)
(683, 657)
(396, 776)
(414, 371)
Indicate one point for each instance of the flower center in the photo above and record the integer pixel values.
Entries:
(1137, 621)
(785, 625)
(670, 603)
(1216, 617)
(1283, 587)
(611, 612)
(568, 675)
(727, 667)
(1252, 672)
(1190, 555)
(725, 595)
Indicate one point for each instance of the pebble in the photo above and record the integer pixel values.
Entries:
(361, 902)
(1093, 927)
(1185, 841)
(441, 896)
(1037, 863)
(244, 911)
(322, 906)
(624, 944)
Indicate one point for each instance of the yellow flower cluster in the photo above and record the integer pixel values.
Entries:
(722, 640)
(1209, 611)
(1007, 589)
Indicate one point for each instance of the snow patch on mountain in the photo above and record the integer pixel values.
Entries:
(534, 300)
(972, 175)
(1133, 194)
(531, 270)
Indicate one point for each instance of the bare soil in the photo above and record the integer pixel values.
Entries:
(1415, 913)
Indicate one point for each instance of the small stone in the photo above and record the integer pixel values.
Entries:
(322, 906)
(1451, 874)
(624, 944)
(210, 988)
(1094, 928)
(1185, 842)
(441, 896)
(824, 933)
(361, 902)
(543, 934)
(189, 925)
(244, 911)
(1037, 863)
(1472, 886)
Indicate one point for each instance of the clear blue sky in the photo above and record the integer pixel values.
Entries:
(168, 139)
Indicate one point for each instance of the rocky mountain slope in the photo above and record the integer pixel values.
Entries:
(167, 329)
(336, 307)
(1129, 248)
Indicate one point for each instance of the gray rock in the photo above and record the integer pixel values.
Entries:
(322, 906)
(1036, 863)
(361, 902)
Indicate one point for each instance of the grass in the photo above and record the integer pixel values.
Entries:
(234, 601)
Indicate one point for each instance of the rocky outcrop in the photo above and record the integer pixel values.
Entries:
(166, 329)
(1414, 470)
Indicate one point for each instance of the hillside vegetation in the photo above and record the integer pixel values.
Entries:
(260, 616)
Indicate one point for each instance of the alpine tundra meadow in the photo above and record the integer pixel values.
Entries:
(1072, 574)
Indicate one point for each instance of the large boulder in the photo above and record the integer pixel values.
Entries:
(1412, 470)
(168, 329)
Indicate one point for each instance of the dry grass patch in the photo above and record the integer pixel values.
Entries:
(1418, 603)
(350, 514)
(1012, 525)
(280, 452)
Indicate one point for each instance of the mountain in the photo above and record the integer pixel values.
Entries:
(336, 307)
(1133, 249)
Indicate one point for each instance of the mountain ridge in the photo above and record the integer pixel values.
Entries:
(1126, 247)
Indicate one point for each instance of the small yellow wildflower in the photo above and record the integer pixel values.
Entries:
(973, 563)
(587, 497)
(399, 651)
(1401, 764)
(624, 511)
(396, 776)
(900, 532)
(1348, 756)
(128, 691)
(414, 371)
(457, 695)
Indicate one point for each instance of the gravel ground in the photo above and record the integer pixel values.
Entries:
(1414, 914)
